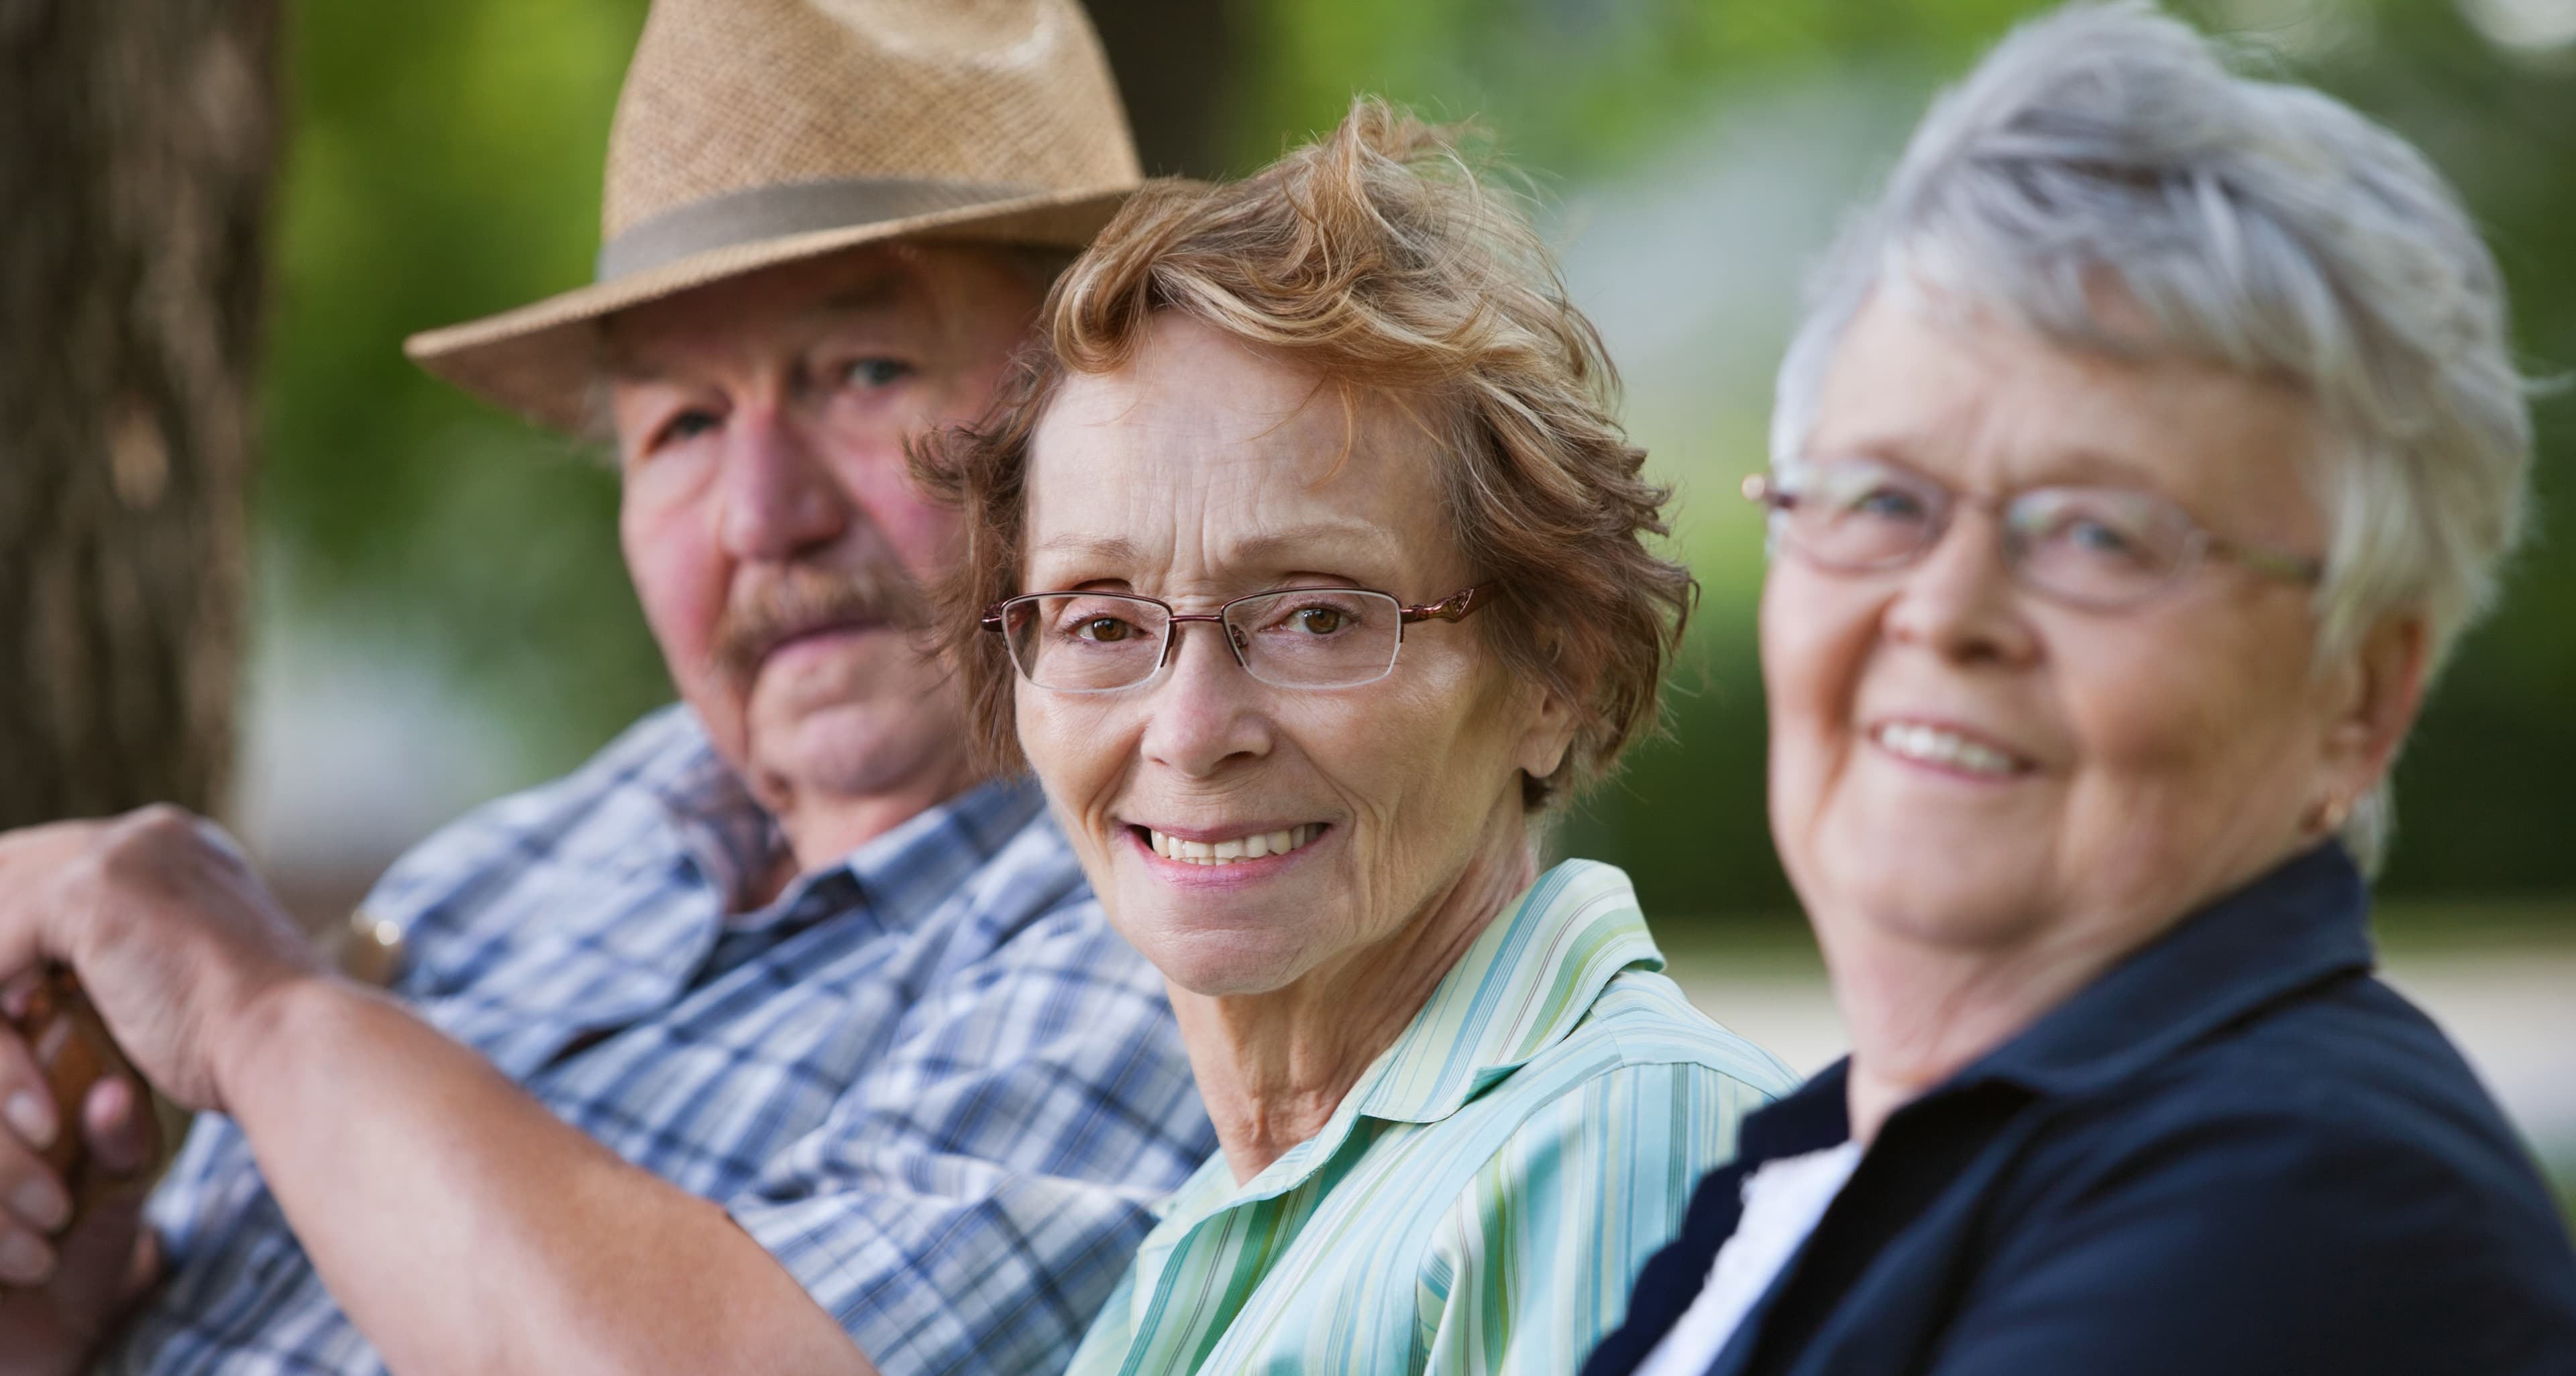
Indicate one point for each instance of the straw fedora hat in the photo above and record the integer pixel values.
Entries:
(757, 132)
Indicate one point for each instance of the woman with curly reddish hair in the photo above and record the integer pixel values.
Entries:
(1310, 574)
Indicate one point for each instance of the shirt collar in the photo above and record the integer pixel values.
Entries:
(909, 872)
(903, 874)
(729, 835)
(1528, 980)
(2304, 922)
(2300, 924)
(1818, 1115)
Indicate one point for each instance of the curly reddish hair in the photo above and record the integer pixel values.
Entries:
(1379, 258)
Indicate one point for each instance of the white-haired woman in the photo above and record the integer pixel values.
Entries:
(2148, 447)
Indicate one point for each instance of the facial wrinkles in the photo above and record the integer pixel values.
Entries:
(2170, 723)
(1226, 484)
(2190, 757)
(2197, 769)
(857, 718)
(1193, 485)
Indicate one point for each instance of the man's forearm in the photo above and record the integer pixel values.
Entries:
(466, 1229)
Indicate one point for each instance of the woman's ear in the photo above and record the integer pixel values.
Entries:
(2375, 703)
(1547, 736)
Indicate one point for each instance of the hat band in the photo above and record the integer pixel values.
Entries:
(775, 212)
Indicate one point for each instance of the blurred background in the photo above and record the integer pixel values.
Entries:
(438, 613)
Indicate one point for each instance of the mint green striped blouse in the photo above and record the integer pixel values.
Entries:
(1483, 1197)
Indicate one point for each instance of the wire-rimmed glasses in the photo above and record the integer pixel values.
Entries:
(2100, 547)
(1099, 642)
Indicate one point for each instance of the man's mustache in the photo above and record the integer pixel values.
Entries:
(804, 598)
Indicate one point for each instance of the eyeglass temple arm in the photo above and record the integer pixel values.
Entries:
(1454, 607)
(2294, 568)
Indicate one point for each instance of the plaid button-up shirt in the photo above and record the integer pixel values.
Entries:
(929, 1079)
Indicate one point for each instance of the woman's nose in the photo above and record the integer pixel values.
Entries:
(1959, 601)
(778, 494)
(1204, 711)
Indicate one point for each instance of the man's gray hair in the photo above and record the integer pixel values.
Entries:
(2259, 226)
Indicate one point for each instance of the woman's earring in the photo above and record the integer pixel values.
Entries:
(2328, 817)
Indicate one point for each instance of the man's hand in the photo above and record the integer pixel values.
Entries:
(544, 1251)
(176, 944)
(59, 1291)
(176, 941)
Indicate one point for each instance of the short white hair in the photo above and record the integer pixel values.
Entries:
(2259, 226)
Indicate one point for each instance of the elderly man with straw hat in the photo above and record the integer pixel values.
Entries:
(774, 1039)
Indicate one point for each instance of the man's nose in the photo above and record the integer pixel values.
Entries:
(778, 496)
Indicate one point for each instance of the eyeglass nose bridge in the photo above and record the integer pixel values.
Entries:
(2011, 544)
(1172, 637)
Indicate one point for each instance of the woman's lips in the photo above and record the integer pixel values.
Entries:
(1247, 845)
(1225, 855)
(1950, 748)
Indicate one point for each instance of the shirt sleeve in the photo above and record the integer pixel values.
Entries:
(2258, 1241)
(970, 1202)
(211, 1170)
(1536, 1260)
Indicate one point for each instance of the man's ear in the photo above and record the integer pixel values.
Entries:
(2375, 704)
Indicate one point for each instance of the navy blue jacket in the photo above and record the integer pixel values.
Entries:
(2235, 1154)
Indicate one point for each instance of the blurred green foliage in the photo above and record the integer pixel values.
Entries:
(445, 162)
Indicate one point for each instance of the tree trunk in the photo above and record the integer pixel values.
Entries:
(135, 154)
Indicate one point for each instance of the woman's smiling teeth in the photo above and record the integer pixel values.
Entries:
(1932, 745)
(1253, 847)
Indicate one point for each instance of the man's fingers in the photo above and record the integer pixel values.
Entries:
(26, 1247)
(31, 860)
(142, 1265)
(117, 1123)
(105, 1262)
(26, 1100)
(31, 1195)
(26, 1259)
(31, 850)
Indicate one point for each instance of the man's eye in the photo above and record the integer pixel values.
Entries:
(687, 425)
(876, 372)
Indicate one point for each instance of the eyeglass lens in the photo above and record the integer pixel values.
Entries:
(1296, 638)
(2102, 546)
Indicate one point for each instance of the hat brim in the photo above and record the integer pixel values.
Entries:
(543, 359)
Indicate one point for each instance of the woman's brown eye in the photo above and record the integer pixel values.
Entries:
(1104, 628)
(1318, 620)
